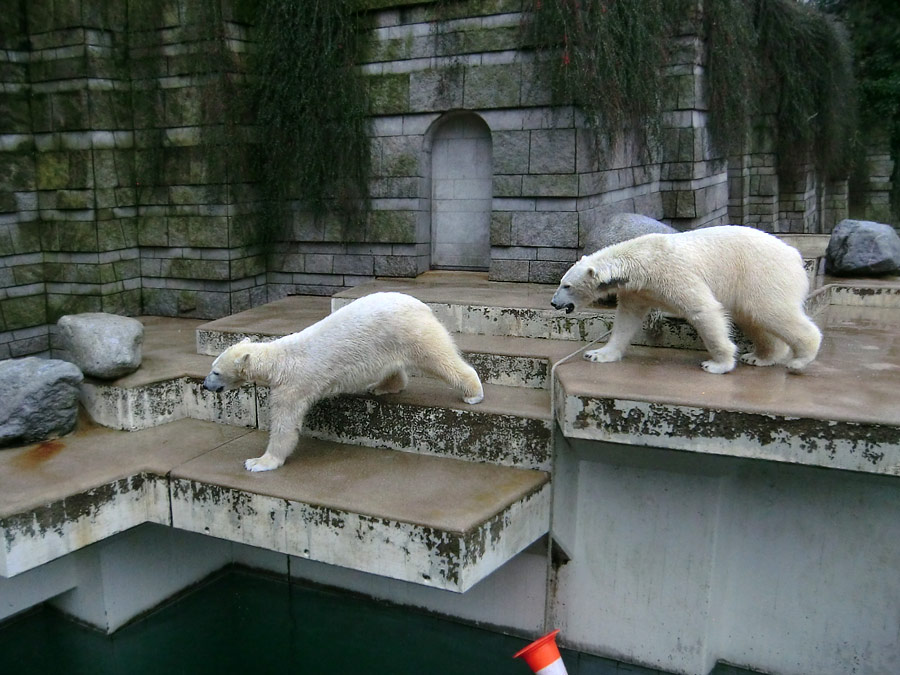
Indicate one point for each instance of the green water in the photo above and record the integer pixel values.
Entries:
(249, 624)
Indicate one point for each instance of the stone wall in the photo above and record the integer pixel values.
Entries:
(125, 182)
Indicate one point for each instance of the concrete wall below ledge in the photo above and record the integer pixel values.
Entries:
(680, 561)
(110, 583)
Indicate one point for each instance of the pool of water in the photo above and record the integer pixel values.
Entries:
(245, 623)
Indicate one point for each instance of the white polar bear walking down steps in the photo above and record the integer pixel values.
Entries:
(368, 344)
(710, 277)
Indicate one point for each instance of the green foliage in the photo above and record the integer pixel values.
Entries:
(785, 58)
(311, 106)
(607, 58)
(732, 73)
(874, 27)
(776, 56)
(807, 63)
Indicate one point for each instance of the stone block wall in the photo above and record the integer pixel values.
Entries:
(125, 182)
(115, 193)
(879, 168)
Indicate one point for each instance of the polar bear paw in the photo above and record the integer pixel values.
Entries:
(752, 359)
(718, 367)
(265, 463)
(603, 355)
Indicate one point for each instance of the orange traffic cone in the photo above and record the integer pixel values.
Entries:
(542, 656)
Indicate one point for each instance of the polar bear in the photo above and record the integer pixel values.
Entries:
(368, 344)
(709, 277)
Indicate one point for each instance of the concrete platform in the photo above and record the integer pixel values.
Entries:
(62, 495)
(333, 503)
(840, 413)
(438, 522)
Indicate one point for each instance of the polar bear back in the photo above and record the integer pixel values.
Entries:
(742, 266)
(357, 343)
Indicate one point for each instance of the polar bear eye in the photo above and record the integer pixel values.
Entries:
(567, 285)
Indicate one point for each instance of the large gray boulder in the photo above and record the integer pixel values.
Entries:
(102, 345)
(863, 248)
(620, 227)
(38, 399)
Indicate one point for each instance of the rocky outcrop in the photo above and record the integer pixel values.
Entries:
(103, 345)
(863, 248)
(38, 399)
(620, 227)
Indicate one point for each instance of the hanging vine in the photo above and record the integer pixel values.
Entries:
(311, 108)
(607, 58)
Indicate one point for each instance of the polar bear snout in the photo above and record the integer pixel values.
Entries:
(211, 383)
(561, 300)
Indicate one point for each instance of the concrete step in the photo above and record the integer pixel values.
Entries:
(511, 427)
(435, 521)
(840, 413)
(467, 303)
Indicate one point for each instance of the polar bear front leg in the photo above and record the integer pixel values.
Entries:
(283, 436)
(629, 319)
(281, 444)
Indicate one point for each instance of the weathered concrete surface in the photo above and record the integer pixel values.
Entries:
(62, 495)
(840, 413)
(512, 426)
(437, 522)
(681, 559)
(38, 399)
(272, 320)
(102, 345)
(151, 405)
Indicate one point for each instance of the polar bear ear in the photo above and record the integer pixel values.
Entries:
(241, 362)
(246, 339)
(591, 272)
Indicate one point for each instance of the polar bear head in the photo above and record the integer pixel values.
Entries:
(230, 369)
(590, 279)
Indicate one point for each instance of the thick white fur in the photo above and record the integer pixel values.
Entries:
(708, 276)
(368, 344)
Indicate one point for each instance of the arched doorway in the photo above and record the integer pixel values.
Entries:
(461, 191)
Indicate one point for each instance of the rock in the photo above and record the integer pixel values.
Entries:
(102, 345)
(863, 248)
(38, 399)
(620, 227)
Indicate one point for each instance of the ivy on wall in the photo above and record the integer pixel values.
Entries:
(607, 58)
(311, 106)
(782, 57)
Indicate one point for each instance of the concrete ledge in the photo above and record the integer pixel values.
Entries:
(511, 427)
(840, 413)
(343, 505)
(62, 495)
(356, 507)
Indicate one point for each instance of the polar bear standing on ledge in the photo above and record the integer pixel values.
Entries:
(369, 343)
(705, 276)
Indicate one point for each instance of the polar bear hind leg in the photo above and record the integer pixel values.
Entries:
(802, 336)
(438, 356)
(393, 382)
(768, 349)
